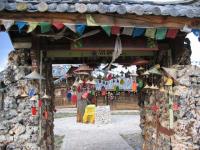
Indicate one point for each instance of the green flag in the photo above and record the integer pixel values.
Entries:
(107, 29)
(45, 27)
(161, 33)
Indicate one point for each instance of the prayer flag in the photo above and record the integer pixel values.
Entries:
(7, 24)
(171, 33)
(127, 31)
(115, 30)
(150, 32)
(161, 33)
(196, 32)
(32, 26)
(80, 29)
(90, 21)
(58, 25)
(71, 27)
(20, 25)
(45, 27)
(138, 32)
(107, 29)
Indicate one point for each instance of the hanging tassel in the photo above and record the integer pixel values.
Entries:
(39, 103)
(46, 114)
(33, 111)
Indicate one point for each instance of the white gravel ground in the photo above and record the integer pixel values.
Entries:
(80, 136)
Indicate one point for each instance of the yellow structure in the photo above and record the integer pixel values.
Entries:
(89, 116)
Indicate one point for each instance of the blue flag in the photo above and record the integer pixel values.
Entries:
(137, 32)
(20, 25)
(80, 29)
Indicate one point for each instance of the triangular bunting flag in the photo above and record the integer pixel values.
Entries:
(71, 27)
(7, 24)
(45, 27)
(161, 33)
(128, 31)
(150, 32)
(107, 29)
(80, 29)
(20, 25)
(138, 32)
(186, 29)
(58, 25)
(91, 21)
(171, 33)
(115, 30)
(196, 32)
(32, 26)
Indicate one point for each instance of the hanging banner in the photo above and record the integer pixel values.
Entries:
(58, 25)
(171, 33)
(45, 27)
(150, 32)
(7, 24)
(107, 29)
(20, 25)
(137, 32)
(80, 29)
(90, 21)
(32, 26)
(161, 33)
(115, 30)
(128, 31)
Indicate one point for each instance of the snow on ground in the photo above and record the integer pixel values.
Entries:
(80, 136)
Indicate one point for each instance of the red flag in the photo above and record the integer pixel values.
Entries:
(171, 33)
(115, 30)
(58, 25)
(40, 103)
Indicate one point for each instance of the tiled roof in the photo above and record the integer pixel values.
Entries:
(191, 9)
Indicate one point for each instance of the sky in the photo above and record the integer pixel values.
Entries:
(6, 46)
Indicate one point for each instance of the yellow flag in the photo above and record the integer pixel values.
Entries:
(90, 21)
(32, 26)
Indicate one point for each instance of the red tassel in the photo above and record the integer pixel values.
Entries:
(34, 111)
(46, 114)
(40, 103)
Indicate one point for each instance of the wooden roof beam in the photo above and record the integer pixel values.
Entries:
(106, 19)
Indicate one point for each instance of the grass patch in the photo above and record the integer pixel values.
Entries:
(58, 140)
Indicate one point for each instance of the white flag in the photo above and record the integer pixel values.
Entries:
(7, 24)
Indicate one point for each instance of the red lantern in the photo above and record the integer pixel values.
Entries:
(33, 110)
(39, 103)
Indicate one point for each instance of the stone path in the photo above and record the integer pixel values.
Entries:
(92, 137)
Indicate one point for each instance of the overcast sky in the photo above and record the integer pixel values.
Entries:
(6, 47)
